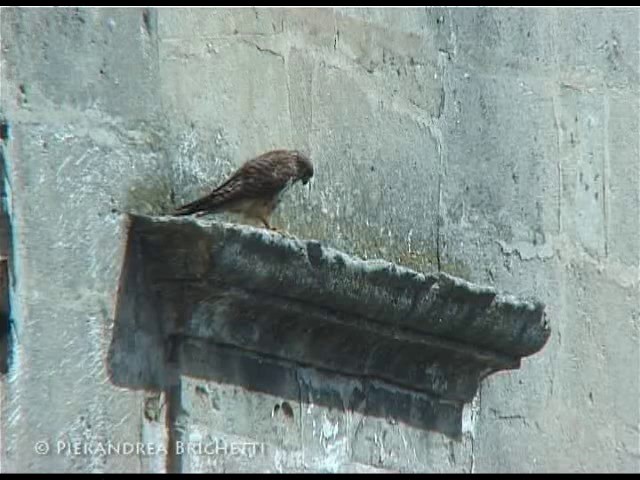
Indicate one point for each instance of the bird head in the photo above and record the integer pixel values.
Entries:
(305, 167)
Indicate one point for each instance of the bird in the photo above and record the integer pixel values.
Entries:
(256, 188)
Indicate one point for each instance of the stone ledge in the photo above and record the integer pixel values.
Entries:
(197, 285)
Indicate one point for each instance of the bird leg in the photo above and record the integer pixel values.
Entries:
(275, 229)
(266, 223)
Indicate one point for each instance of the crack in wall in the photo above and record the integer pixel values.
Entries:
(5, 305)
(264, 49)
(8, 341)
(605, 177)
(176, 427)
(444, 56)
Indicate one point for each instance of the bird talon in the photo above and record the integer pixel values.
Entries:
(281, 232)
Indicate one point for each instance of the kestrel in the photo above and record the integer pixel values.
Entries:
(256, 188)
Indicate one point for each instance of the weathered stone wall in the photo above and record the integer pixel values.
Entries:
(497, 145)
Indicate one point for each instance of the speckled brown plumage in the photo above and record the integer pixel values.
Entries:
(256, 188)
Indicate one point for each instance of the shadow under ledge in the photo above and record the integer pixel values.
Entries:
(240, 305)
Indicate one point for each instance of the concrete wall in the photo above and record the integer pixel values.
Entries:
(498, 145)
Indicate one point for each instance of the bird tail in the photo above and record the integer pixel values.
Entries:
(211, 203)
(207, 204)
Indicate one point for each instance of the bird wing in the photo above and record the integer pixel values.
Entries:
(264, 176)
